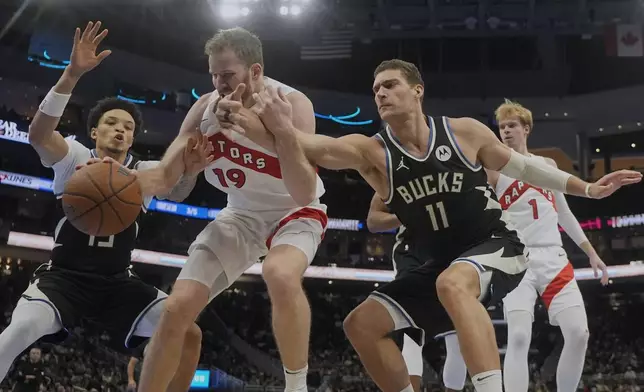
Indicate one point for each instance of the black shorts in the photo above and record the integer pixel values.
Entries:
(413, 302)
(116, 303)
(408, 256)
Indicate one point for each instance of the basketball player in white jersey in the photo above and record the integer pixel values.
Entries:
(537, 213)
(272, 211)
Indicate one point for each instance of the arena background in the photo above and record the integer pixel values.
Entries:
(577, 64)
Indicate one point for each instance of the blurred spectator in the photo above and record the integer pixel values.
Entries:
(30, 373)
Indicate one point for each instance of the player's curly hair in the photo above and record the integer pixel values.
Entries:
(111, 103)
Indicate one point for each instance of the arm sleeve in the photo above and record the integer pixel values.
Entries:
(143, 165)
(568, 221)
(535, 172)
(77, 154)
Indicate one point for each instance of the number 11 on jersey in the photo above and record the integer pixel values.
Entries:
(432, 215)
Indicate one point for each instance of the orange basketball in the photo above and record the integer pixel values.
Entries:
(102, 199)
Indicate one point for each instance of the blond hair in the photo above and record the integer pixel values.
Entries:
(514, 109)
(246, 45)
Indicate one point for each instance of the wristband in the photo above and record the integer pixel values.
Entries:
(54, 103)
(588, 191)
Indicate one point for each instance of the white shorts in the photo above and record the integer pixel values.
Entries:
(239, 238)
(413, 355)
(551, 276)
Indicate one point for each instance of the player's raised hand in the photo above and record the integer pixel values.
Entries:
(197, 155)
(274, 110)
(84, 58)
(227, 110)
(610, 183)
(597, 265)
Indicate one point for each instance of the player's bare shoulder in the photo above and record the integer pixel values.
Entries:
(468, 127)
(470, 135)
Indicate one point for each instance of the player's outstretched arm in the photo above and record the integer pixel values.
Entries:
(300, 150)
(379, 218)
(50, 144)
(496, 156)
(157, 180)
(181, 179)
(195, 156)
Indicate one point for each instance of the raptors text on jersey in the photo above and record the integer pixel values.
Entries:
(246, 171)
(531, 210)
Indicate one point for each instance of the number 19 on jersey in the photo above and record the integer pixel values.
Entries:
(436, 211)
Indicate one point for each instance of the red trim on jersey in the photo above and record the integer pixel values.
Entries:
(247, 157)
(560, 281)
(518, 188)
(303, 213)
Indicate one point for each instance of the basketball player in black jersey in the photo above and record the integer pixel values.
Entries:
(429, 171)
(90, 277)
(406, 255)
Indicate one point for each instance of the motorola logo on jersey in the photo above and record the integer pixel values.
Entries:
(443, 153)
(418, 188)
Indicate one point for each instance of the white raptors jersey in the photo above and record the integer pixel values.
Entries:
(531, 210)
(247, 172)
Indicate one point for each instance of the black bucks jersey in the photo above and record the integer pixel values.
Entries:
(75, 250)
(443, 200)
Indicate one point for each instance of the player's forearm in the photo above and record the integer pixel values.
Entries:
(588, 249)
(568, 221)
(157, 181)
(299, 175)
(378, 221)
(130, 370)
(182, 189)
(47, 116)
(171, 168)
(539, 173)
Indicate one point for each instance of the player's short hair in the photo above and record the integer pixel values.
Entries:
(409, 70)
(106, 104)
(246, 45)
(514, 109)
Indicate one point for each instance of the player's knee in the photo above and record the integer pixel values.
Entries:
(458, 280)
(520, 339)
(353, 324)
(361, 324)
(577, 335)
(180, 310)
(449, 286)
(283, 280)
(193, 337)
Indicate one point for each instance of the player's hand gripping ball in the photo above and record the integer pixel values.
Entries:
(102, 198)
